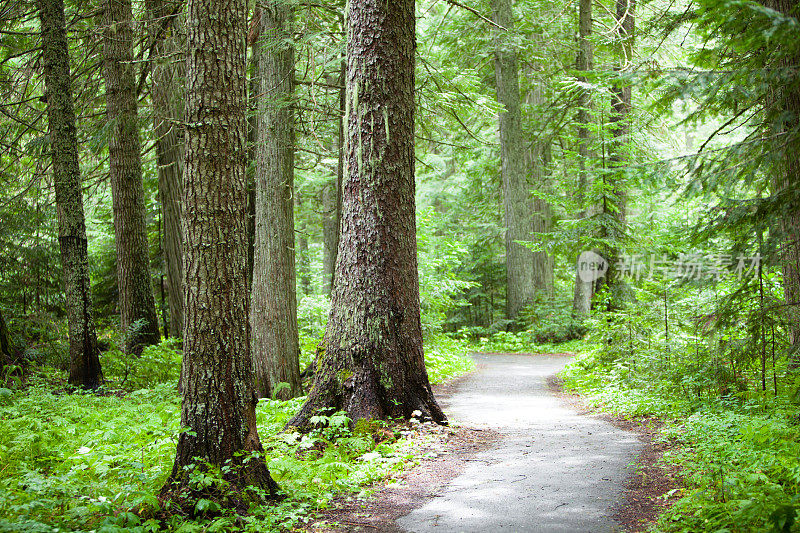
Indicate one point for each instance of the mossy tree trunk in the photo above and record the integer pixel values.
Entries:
(219, 399)
(517, 205)
(273, 311)
(371, 361)
(168, 73)
(84, 367)
(136, 302)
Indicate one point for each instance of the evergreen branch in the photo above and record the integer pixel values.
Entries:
(476, 13)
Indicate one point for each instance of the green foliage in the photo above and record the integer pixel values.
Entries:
(158, 364)
(742, 470)
(83, 461)
(737, 453)
(312, 317)
(446, 357)
(441, 290)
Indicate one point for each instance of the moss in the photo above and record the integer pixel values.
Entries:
(343, 375)
(365, 427)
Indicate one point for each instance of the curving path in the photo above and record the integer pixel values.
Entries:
(554, 470)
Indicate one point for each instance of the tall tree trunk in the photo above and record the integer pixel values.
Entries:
(84, 367)
(136, 302)
(582, 300)
(273, 312)
(537, 161)
(303, 262)
(332, 194)
(614, 199)
(371, 361)
(253, 87)
(219, 400)
(787, 182)
(517, 203)
(168, 75)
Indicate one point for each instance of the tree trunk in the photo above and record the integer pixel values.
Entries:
(787, 182)
(136, 302)
(537, 160)
(219, 399)
(582, 300)
(273, 312)
(371, 361)
(84, 368)
(6, 349)
(303, 262)
(253, 87)
(614, 199)
(168, 75)
(517, 203)
(332, 195)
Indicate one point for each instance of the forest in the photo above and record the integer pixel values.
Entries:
(247, 248)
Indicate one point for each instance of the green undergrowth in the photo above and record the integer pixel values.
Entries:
(522, 342)
(737, 452)
(446, 357)
(85, 462)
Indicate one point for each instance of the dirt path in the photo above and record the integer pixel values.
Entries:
(543, 468)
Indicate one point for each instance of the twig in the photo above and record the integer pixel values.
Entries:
(476, 13)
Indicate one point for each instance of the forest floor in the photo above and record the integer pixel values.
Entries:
(519, 456)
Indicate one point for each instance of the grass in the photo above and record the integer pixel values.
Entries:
(83, 462)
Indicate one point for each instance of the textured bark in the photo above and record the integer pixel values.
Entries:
(614, 202)
(168, 76)
(137, 305)
(517, 204)
(273, 312)
(84, 368)
(253, 86)
(537, 161)
(582, 300)
(371, 362)
(787, 182)
(219, 400)
(332, 196)
(303, 261)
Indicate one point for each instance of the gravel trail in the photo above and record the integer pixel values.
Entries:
(553, 470)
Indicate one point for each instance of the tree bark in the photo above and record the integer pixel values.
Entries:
(787, 183)
(614, 201)
(303, 262)
(584, 291)
(332, 195)
(371, 362)
(84, 368)
(537, 160)
(219, 399)
(7, 354)
(273, 312)
(517, 205)
(253, 88)
(168, 75)
(136, 302)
